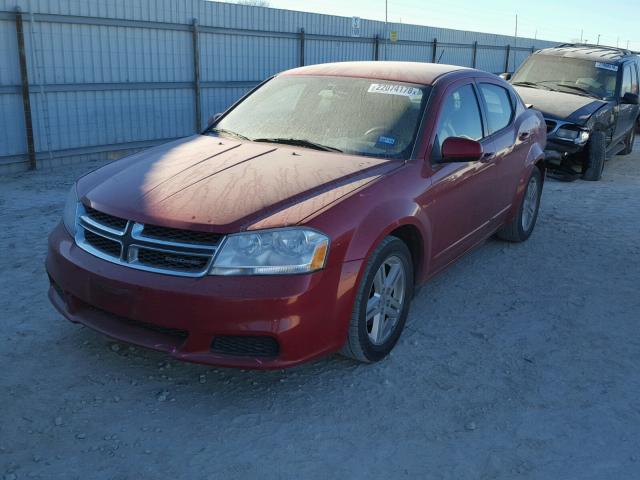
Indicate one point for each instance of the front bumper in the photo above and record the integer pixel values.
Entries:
(307, 314)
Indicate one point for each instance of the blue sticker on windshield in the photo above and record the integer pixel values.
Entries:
(607, 66)
(386, 140)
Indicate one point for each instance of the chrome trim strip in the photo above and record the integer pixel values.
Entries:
(98, 228)
(134, 250)
(139, 266)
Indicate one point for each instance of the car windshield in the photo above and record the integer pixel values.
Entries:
(571, 75)
(352, 115)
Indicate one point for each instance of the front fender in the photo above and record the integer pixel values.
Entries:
(382, 221)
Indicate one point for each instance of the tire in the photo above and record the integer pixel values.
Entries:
(628, 143)
(392, 253)
(596, 156)
(521, 227)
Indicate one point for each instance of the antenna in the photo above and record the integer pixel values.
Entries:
(515, 43)
(441, 53)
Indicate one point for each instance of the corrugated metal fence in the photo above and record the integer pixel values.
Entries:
(106, 77)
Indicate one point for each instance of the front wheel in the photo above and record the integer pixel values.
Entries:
(382, 302)
(596, 156)
(521, 227)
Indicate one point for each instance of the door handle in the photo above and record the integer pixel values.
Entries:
(487, 157)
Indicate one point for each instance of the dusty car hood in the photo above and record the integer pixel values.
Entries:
(217, 184)
(561, 105)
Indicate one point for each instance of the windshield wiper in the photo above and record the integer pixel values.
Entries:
(229, 132)
(580, 89)
(298, 142)
(530, 84)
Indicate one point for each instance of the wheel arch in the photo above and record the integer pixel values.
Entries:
(407, 222)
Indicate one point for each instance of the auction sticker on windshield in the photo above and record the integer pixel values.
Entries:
(607, 66)
(391, 89)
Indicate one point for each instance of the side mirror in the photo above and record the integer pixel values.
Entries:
(505, 76)
(631, 99)
(213, 119)
(458, 149)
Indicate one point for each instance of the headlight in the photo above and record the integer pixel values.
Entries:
(574, 135)
(70, 211)
(272, 252)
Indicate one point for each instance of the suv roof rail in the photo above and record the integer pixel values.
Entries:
(621, 51)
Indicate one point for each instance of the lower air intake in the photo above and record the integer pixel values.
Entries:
(245, 346)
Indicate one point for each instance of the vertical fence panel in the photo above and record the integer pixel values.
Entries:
(13, 143)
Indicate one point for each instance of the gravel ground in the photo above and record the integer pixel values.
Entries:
(520, 361)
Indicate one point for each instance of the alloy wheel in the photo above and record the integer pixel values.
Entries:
(530, 205)
(386, 300)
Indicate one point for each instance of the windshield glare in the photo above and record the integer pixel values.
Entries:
(352, 115)
(570, 75)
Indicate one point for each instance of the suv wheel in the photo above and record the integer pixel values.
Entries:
(596, 156)
(382, 302)
(628, 143)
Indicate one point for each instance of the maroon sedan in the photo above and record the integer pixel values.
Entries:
(299, 223)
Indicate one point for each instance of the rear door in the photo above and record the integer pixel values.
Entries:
(626, 113)
(510, 145)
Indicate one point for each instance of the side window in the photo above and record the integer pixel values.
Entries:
(460, 117)
(634, 78)
(499, 106)
(626, 80)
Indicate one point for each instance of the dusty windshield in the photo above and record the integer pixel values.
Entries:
(571, 75)
(351, 115)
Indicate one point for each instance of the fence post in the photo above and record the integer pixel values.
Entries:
(301, 61)
(26, 100)
(376, 48)
(196, 74)
(475, 54)
(506, 59)
(435, 50)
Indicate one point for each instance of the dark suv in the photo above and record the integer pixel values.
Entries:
(588, 95)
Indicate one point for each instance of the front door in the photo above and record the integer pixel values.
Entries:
(462, 198)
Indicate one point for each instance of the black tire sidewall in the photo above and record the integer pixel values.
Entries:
(524, 234)
(630, 141)
(395, 247)
(596, 157)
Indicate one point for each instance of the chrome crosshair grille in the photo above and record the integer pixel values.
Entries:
(145, 247)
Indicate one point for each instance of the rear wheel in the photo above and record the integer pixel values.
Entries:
(382, 302)
(521, 227)
(628, 143)
(596, 156)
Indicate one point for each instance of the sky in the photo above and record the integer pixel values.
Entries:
(615, 21)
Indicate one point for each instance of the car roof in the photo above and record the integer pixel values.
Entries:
(588, 52)
(409, 72)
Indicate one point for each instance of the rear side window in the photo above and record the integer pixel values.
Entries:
(627, 86)
(634, 78)
(499, 106)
